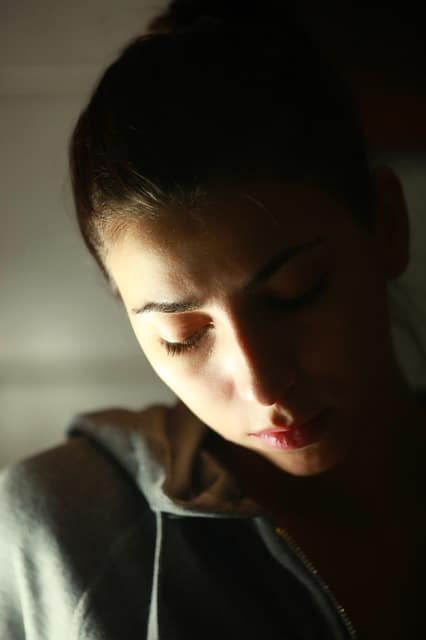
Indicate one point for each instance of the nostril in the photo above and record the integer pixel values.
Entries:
(280, 418)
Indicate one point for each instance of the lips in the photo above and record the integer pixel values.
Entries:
(294, 436)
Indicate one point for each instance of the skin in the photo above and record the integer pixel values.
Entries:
(353, 499)
(254, 362)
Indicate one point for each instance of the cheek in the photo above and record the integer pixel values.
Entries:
(192, 379)
(349, 335)
(198, 386)
(205, 394)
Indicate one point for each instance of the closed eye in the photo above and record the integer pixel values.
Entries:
(281, 304)
(292, 304)
(189, 344)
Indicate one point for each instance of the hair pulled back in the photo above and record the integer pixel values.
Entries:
(216, 93)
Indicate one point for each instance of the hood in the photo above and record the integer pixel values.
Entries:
(164, 451)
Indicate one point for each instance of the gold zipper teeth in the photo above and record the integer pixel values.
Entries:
(282, 533)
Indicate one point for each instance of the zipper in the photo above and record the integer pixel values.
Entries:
(347, 623)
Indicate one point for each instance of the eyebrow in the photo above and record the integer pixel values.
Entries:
(284, 256)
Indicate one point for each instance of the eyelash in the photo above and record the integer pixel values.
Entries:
(190, 344)
(288, 305)
(293, 304)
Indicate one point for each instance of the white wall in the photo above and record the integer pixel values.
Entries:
(65, 345)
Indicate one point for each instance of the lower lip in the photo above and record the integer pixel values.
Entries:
(293, 439)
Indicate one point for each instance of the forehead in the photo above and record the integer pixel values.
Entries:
(225, 239)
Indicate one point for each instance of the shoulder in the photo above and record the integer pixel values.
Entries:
(62, 484)
(65, 513)
(65, 507)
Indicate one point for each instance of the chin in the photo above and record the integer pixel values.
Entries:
(312, 460)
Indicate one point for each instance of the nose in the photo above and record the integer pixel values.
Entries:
(262, 368)
(259, 387)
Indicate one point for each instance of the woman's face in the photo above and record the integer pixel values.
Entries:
(265, 312)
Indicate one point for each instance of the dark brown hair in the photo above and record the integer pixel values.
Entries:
(217, 93)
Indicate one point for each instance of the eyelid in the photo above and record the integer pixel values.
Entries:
(283, 304)
(191, 342)
(306, 297)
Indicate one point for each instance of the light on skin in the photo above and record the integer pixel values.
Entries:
(209, 296)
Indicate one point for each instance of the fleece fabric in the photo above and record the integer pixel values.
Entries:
(132, 529)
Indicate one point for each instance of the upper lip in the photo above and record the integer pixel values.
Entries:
(288, 427)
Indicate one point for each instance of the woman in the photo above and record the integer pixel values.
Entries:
(221, 183)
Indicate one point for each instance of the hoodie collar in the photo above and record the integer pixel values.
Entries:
(163, 450)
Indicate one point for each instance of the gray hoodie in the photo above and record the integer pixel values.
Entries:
(132, 529)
